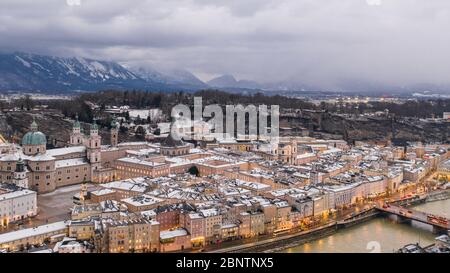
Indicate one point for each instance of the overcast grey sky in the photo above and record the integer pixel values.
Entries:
(312, 41)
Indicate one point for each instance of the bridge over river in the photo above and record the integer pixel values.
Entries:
(439, 223)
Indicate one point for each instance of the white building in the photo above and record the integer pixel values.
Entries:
(213, 221)
(344, 195)
(16, 203)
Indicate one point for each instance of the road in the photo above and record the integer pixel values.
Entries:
(412, 214)
(271, 239)
(263, 239)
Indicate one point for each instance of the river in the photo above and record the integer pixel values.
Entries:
(377, 235)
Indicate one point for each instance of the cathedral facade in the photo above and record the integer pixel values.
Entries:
(32, 166)
(42, 170)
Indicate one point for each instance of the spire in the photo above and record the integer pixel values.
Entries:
(114, 122)
(169, 141)
(20, 166)
(94, 128)
(77, 122)
(94, 125)
(34, 126)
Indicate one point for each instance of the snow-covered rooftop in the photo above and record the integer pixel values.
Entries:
(168, 234)
(142, 200)
(70, 162)
(65, 151)
(29, 232)
(139, 161)
(132, 184)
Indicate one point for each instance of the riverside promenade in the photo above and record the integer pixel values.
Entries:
(281, 241)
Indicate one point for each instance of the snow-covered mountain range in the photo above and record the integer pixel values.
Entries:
(49, 74)
(30, 72)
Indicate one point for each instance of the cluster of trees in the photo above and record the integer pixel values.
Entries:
(134, 98)
(71, 108)
(412, 108)
(81, 104)
(165, 101)
(421, 109)
(25, 103)
(224, 98)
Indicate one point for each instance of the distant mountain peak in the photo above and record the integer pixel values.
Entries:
(223, 81)
(229, 81)
(173, 77)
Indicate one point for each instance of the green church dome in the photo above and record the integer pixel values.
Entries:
(114, 123)
(34, 138)
(94, 125)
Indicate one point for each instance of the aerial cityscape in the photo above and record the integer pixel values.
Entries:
(120, 134)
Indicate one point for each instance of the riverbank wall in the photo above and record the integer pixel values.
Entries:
(438, 196)
(278, 245)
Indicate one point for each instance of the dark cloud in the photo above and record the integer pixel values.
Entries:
(312, 41)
